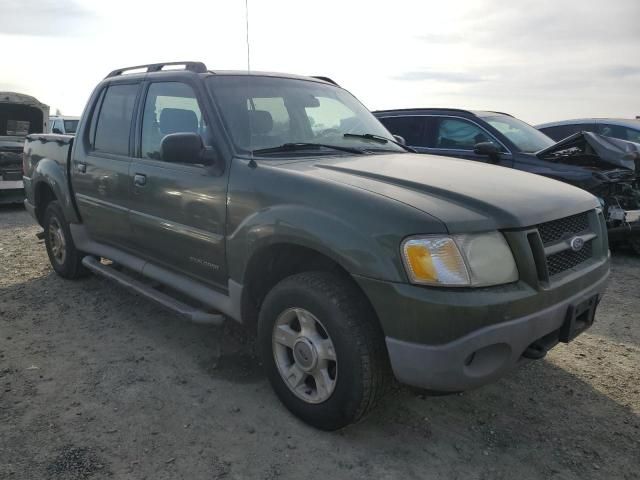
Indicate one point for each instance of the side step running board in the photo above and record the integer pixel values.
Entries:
(192, 313)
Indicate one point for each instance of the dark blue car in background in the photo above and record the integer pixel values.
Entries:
(606, 167)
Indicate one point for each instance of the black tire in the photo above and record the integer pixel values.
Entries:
(635, 245)
(363, 371)
(65, 259)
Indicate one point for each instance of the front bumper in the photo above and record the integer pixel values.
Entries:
(457, 339)
(481, 356)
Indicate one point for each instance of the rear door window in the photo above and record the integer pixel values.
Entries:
(114, 120)
(412, 129)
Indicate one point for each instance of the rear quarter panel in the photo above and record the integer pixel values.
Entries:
(45, 161)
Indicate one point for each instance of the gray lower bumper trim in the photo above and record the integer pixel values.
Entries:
(495, 349)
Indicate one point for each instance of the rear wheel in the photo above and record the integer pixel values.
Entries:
(65, 259)
(323, 349)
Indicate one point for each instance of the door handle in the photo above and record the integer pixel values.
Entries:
(139, 180)
(81, 167)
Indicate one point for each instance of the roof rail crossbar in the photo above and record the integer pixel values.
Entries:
(326, 79)
(197, 67)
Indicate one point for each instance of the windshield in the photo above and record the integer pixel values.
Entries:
(265, 112)
(70, 126)
(526, 138)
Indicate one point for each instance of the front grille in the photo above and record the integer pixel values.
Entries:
(551, 232)
(567, 259)
(552, 247)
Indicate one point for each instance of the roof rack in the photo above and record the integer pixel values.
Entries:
(197, 67)
(413, 109)
(501, 113)
(326, 79)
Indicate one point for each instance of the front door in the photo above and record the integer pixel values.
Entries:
(456, 137)
(177, 209)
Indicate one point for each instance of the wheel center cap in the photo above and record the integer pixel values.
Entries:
(305, 354)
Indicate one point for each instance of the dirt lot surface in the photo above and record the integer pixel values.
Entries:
(97, 383)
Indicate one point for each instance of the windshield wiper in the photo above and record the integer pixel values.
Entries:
(379, 139)
(292, 147)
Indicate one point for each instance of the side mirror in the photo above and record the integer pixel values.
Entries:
(56, 130)
(486, 148)
(400, 139)
(182, 148)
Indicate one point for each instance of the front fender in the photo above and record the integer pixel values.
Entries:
(356, 251)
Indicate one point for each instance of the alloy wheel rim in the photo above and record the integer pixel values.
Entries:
(305, 355)
(57, 241)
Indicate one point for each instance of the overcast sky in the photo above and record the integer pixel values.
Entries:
(539, 60)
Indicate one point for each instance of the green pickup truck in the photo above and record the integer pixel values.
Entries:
(281, 202)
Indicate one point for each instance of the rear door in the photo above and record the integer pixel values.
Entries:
(100, 165)
(413, 128)
(178, 210)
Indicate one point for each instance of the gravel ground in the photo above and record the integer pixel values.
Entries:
(98, 383)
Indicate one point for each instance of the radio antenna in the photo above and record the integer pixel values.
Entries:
(252, 162)
(246, 11)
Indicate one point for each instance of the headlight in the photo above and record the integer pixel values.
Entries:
(470, 260)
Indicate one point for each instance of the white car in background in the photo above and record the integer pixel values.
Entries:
(63, 124)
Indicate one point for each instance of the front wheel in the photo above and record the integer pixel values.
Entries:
(65, 259)
(323, 349)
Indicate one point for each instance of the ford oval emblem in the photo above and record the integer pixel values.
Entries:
(576, 244)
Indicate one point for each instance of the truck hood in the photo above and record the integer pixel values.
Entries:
(466, 196)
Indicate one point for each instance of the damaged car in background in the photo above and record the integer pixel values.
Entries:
(607, 167)
(617, 188)
(20, 115)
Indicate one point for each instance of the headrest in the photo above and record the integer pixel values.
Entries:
(174, 120)
(261, 122)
